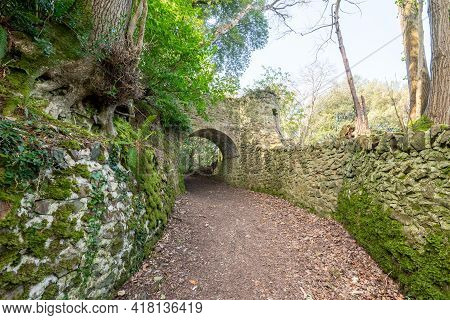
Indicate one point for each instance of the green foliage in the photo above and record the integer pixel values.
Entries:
(334, 109)
(133, 142)
(279, 82)
(3, 42)
(177, 62)
(422, 124)
(424, 273)
(234, 49)
(31, 16)
(21, 155)
(198, 153)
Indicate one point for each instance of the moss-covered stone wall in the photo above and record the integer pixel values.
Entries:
(79, 211)
(391, 191)
(84, 223)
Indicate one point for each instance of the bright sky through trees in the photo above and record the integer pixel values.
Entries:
(363, 34)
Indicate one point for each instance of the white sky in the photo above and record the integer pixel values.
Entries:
(363, 34)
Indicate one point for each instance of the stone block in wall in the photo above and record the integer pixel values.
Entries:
(383, 144)
(444, 138)
(402, 142)
(417, 140)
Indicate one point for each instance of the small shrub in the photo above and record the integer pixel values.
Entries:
(422, 124)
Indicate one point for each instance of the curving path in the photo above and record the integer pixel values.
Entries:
(228, 243)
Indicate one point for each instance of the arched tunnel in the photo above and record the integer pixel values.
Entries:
(222, 140)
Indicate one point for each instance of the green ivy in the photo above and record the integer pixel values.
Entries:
(21, 155)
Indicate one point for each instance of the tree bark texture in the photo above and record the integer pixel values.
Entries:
(110, 20)
(416, 64)
(438, 108)
(118, 28)
(361, 121)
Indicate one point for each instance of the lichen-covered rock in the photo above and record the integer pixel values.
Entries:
(84, 230)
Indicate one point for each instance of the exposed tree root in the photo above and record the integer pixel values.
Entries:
(111, 82)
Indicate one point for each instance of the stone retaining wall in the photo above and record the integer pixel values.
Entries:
(406, 177)
(86, 225)
(409, 174)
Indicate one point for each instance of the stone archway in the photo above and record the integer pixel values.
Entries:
(241, 128)
(226, 145)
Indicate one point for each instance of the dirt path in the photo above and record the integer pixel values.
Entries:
(228, 243)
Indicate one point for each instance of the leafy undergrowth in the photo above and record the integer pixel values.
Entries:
(423, 272)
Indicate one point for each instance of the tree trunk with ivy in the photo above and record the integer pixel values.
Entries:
(438, 109)
(416, 64)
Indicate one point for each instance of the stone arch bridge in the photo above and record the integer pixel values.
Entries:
(406, 173)
(238, 122)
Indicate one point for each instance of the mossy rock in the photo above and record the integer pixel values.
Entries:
(63, 225)
(35, 239)
(51, 292)
(78, 170)
(71, 145)
(423, 273)
(59, 189)
(57, 43)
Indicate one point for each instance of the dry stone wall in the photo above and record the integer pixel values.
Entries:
(409, 174)
(391, 190)
(86, 224)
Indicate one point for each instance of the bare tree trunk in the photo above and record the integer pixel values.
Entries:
(416, 64)
(309, 120)
(361, 121)
(438, 108)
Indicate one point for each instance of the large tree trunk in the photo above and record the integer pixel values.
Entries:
(361, 121)
(109, 22)
(416, 64)
(118, 28)
(438, 108)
